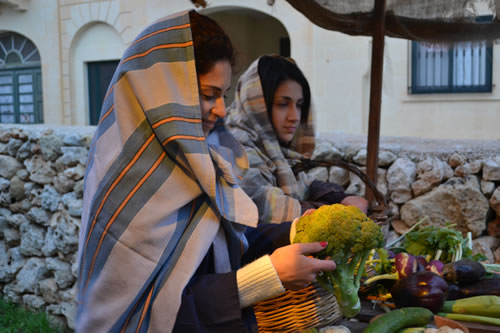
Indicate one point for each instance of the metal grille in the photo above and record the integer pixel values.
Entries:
(461, 67)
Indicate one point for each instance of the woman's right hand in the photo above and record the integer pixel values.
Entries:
(295, 269)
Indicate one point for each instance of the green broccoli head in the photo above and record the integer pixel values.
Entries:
(351, 235)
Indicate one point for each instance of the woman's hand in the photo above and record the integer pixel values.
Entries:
(295, 269)
(309, 211)
(354, 200)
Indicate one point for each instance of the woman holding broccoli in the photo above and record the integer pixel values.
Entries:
(271, 117)
(163, 222)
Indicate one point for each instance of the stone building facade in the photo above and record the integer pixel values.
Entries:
(74, 36)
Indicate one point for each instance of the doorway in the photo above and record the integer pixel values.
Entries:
(99, 76)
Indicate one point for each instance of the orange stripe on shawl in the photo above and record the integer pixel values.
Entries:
(187, 137)
(158, 47)
(118, 211)
(113, 185)
(146, 307)
(110, 89)
(182, 26)
(106, 114)
(167, 120)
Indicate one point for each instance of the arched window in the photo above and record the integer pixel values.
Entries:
(20, 80)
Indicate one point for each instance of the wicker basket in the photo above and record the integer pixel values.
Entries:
(313, 306)
(293, 311)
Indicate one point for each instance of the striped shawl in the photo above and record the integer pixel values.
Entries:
(270, 180)
(156, 190)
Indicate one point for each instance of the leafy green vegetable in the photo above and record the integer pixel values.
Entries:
(385, 265)
(429, 239)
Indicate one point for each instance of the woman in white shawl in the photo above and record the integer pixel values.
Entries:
(163, 222)
(272, 118)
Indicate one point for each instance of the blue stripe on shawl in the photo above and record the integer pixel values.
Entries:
(120, 192)
(140, 198)
(176, 54)
(160, 274)
(130, 148)
(109, 100)
(173, 110)
(226, 145)
(168, 129)
(101, 129)
(222, 200)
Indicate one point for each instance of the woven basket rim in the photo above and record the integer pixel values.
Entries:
(294, 310)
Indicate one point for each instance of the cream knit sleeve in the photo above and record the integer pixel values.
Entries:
(258, 281)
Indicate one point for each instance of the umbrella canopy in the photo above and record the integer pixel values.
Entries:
(423, 20)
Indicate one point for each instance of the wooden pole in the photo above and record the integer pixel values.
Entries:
(377, 69)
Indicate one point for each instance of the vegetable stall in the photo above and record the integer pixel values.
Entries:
(429, 276)
(439, 264)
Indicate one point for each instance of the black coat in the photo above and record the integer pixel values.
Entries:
(210, 301)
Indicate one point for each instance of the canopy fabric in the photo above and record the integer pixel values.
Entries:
(423, 20)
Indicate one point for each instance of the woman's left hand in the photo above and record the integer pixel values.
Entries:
(359, 202)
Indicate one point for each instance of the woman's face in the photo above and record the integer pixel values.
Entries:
(287, 106)
(213, 86)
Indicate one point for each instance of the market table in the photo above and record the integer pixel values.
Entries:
(360, 322)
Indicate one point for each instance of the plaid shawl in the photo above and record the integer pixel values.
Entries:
(156, 191)
(270, 180)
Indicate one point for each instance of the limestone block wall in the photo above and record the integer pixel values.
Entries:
(449, 181)
(41, 187)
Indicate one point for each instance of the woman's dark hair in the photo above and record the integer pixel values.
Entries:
(273, 70)
(210, 42)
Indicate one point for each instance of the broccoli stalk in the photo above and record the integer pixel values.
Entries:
(344, 283)
(351, 236)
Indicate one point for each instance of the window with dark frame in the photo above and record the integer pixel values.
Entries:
(451, 68)
(20, 80)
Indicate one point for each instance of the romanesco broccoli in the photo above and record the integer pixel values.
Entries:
(351, 235)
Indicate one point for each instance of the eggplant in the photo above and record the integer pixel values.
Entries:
(423, 289)
(453, 292)
(464, 271)
(486, 286)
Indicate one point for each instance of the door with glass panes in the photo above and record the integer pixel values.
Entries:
(21, 96)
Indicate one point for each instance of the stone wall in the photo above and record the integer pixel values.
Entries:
(41, 187)
(449, 181)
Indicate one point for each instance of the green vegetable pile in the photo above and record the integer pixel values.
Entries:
(351, 235)
(447, 243)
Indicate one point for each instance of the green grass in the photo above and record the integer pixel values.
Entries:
(16, 319)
